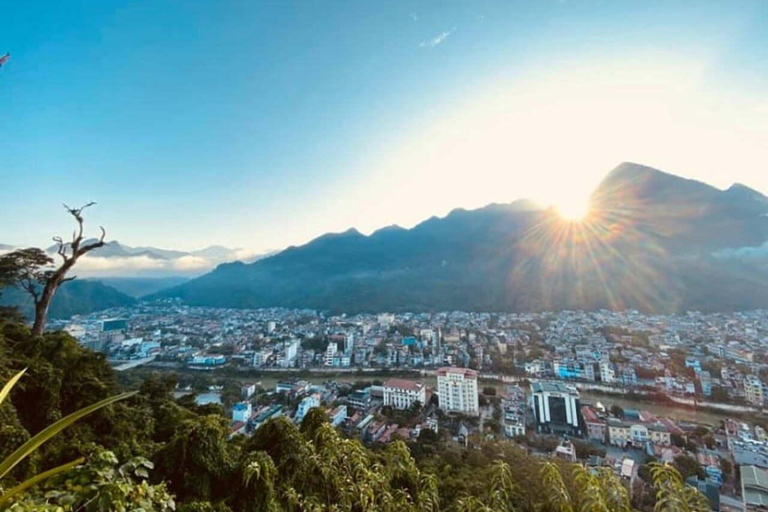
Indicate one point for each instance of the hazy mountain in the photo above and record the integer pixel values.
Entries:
(118, 260)
(140, 286)
(76, 297)
(653, 241)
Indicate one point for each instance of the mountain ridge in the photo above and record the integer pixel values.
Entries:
(649, 243)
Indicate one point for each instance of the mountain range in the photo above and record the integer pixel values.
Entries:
(652, 241)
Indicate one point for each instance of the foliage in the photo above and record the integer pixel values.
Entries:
(101, 486)
(33, 443)
(672, 495)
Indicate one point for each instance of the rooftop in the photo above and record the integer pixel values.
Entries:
(553, 387)
(410, 385)
(464, 371)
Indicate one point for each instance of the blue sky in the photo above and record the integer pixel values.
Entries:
(260, 124)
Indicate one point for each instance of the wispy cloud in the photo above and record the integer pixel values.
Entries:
(437, 40)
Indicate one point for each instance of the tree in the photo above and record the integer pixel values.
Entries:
(617, 411)
(32, 270)
(688, 466)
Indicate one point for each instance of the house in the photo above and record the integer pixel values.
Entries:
(596, 428)
(338, 415)
(307, 403)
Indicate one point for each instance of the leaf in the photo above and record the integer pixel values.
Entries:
(5, 498)
(9, 385)
(47, 433)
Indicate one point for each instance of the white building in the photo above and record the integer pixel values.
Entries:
(457, 388)
(260, 357)
(289, 353)
(307, 403)
(401, 393)
(242, 411)
(330, 353)
(607, 373)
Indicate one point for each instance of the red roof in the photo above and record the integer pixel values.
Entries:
(589, 414)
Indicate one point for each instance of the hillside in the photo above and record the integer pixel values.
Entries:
(139, 286)
(653, 241)
(77, 297)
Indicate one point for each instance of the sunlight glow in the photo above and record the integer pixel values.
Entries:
(574, 210)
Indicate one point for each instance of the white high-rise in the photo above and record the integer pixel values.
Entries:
(457, 389)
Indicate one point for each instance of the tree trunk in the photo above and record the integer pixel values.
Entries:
(41, 306)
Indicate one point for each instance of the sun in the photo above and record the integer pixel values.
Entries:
(573, 210)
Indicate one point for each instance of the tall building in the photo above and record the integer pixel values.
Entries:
(556, 408)
(330, 353)
(457, 388)
(753, 390)
(290, 351)
(401, 393)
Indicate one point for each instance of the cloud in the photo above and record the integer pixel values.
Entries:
(435, 41)
(95, 266)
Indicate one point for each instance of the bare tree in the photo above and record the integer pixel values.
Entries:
(32, 269)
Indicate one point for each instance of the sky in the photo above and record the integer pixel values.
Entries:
(260, 124)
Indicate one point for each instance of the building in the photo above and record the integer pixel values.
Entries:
(705, 379)
(457, 389)
(753, 390)
(289, 354)
(242, 412)
(247, 390)
(360, 399)
(260, 357)
(623, 433)
(618, 432)
(330, 353)
(307, 403)
(401, 393)
(629, 377)
(556, 408)
(754, 487)
(338, 415)
(596, 429)
(607, 373)
(207, 360)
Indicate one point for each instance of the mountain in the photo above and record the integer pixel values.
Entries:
(139, 286)
(653, 241)
(80, 296)
(116, 260)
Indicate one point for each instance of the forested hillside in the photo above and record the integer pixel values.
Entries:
(77, 297)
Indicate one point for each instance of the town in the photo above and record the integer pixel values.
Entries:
(617, 389)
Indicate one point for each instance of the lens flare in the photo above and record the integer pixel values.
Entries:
(573, 210)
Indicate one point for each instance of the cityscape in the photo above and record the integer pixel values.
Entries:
(605, 387)
(392, 256)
